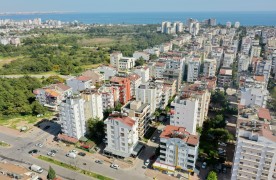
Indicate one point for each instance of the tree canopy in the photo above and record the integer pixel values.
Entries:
(17, 98)
(212, 176)
(51, 173)
(96, 130)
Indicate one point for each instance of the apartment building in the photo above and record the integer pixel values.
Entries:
(135, 82)
(140, 111)
(72, 117)
(228, 60)
(95, 75)
(122, 135)
(210, 67)
(225, 77)
(121, 63)
(178, 149)
(51, 96)
(110, 96)
(107, 71)
(184, 110)
(150, 93)
(200, 90)
(243, 63)
(141, 54)
(254, 96)
(93, 106)
(79, 83)
(255, 151)
(193, 69)
(123, 84)
(143, 72)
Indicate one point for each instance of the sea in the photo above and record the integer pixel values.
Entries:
(245, 18)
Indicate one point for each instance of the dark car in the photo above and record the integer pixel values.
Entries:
(99, 161)
(54, 151)
(34, 151)
(81, 154)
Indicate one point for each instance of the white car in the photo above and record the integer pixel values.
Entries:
(114, 166)
(39, 145)
(51, 154)
(204, 164)
(147, 162)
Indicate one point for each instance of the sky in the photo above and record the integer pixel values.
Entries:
(135, 5)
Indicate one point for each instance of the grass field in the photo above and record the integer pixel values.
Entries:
(7, 60)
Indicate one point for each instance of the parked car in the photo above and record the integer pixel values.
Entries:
(54, 151)
(99, 161)
(36, 168)
(34, 151)
(51, 154)
(204, 164)
(153, 139)
(39, 145)
(82, 154)
(71, 155)
(147, 162)
(114, 166)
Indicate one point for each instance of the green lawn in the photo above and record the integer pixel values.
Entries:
(3, 144)
(74, 168)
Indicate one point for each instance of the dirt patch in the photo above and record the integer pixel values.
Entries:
(96, 42)
(6, 61)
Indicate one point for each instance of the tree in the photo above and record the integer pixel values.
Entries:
(220, 134)
(118, 107)
(96, 129)
(107, 112)
(139, 62)
(54, 80)
(212, 176)
(51, 173)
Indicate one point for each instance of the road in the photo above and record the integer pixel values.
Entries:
(20, 146)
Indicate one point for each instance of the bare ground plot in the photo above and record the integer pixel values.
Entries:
(104, 41)
(4, 61)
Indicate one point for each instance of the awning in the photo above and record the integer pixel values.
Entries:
(163, 167)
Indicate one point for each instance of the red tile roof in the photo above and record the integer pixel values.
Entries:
(183, 134)
(62, 86)
(264, 114)
(52, 93)
(83, 78)
(124, 119)
(66, 138)
(259, 78)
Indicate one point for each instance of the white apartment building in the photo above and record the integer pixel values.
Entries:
(237, 24)
(141, 54)
(143, 72)
(107, 71)
(255, 153)
(255, 51)
(79, 83)
(178, 149)
(184, 110)
(93, 106)
(135, 82)
(193, 69)
(150, 93)
(121, 63)
(210, 67)
(228, 24)
(110, 95)
(228, 59)
(72, 118)
(243, 63)
(121, 134)
(254, 96)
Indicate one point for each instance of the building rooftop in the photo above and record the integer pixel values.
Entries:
(227, 72)
(256, 128)
(264, 114)
(123, 118)
(83, 78)
(181, 133)
(119, 80)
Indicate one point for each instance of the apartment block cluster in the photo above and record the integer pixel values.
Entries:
(255, 153)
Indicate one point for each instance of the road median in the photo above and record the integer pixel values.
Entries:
(73, 168)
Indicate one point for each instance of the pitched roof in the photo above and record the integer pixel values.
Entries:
(62, 86)
(83, 78)
(181, 131)
(52, 93)
(264, 114)
(123, 119)
(259, 78)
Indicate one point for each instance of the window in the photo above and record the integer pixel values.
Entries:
(112, 127)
